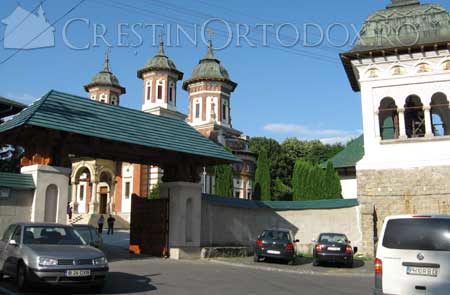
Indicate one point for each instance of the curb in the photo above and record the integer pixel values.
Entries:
(304, 272)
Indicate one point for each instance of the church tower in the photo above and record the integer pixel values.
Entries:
(401, 67)
(105, 87)
(210, 89)
(160, 76)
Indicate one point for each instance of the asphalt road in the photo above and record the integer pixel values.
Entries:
(157, 276)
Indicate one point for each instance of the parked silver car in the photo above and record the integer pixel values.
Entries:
(50, 254)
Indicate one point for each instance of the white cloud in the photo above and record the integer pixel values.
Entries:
(328, 136)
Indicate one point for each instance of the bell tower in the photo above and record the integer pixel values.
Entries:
(160, 77)
(104, 86)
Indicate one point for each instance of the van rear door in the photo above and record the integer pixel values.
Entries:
(415, 254)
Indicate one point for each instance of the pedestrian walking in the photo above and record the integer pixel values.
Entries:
(111, 221)
(100, 223)
(69, 211)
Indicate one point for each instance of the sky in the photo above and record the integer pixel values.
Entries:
(289, 85)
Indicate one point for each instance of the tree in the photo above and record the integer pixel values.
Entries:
(281, 191)
(300, 179)
(10, 158)
(155, 192)
(223, 185)
(262, 177)
(333, 189)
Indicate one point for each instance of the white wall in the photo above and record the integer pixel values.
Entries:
(44, 176)
(15, 208)
(224, 225)
(418, 152)
(349, 186)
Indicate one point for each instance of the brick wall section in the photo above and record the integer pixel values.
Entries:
(400, 191)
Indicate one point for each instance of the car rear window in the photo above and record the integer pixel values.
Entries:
(333, 238)
(428, 234)
(275, 235)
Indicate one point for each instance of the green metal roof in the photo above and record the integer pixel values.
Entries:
(160, 62)
(9, 107)
(404, 23)
(350, 156)
(69, 113)
(209, 69)
(17, 181)
(282, 205)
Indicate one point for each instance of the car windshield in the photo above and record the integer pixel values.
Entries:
(333, 238)
(275, 235)
(430, 234)
(84, 232)
(51, 235)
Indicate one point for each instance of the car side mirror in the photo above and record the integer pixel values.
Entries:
(349, 242)
(13, 243)
(355, 250)
(314, 241)
(297, 241)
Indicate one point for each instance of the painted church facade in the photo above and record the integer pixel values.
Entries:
(102, 186)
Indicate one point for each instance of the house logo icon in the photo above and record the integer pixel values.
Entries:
(26, 30)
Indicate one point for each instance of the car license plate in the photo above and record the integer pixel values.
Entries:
(273, 252)
(78, 273)
(422, 271)
(334, 249)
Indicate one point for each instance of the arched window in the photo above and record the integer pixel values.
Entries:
(440, 114)
(188, 229)
(414, 117)
(160, 89)
(388, 117)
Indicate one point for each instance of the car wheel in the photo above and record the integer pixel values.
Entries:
(349, 264)
(290, 261)
(316, 262)
(255, 258)
(21, 277)
(1, 276)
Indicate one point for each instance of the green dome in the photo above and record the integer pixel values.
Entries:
(209, 69)
(404, 23)
(160, 62)
(105, 78)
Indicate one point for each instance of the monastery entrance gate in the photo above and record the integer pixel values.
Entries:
(149, 226)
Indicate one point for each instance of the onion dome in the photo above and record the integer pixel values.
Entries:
(160, 62)
(105, 78)
(209, 69)
(404, 23)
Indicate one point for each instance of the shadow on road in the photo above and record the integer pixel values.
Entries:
(117, 283)
(356, 264)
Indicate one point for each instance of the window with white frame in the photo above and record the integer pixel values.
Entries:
(148, 90)
(224, 111)
(171, 92)
(197, 108)
(114, 99)
(127, 189)
(160, 89)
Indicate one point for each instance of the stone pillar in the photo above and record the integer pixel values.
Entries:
(428, 127)
(376, 119)
(185, 227)
(45, 176)
(368, 245)
(74, 202)
(401, 123)
(93, 205)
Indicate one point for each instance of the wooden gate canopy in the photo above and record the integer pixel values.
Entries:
(60, 126)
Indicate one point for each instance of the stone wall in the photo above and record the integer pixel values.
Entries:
(15, 208)
(226, 225)
(400, 191)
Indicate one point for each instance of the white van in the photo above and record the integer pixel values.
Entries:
(413, 256)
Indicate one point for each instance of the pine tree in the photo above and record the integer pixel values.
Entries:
(223, 185)
(333, 183)
(262, 176)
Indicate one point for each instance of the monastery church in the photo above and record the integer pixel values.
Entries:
(101, 186)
